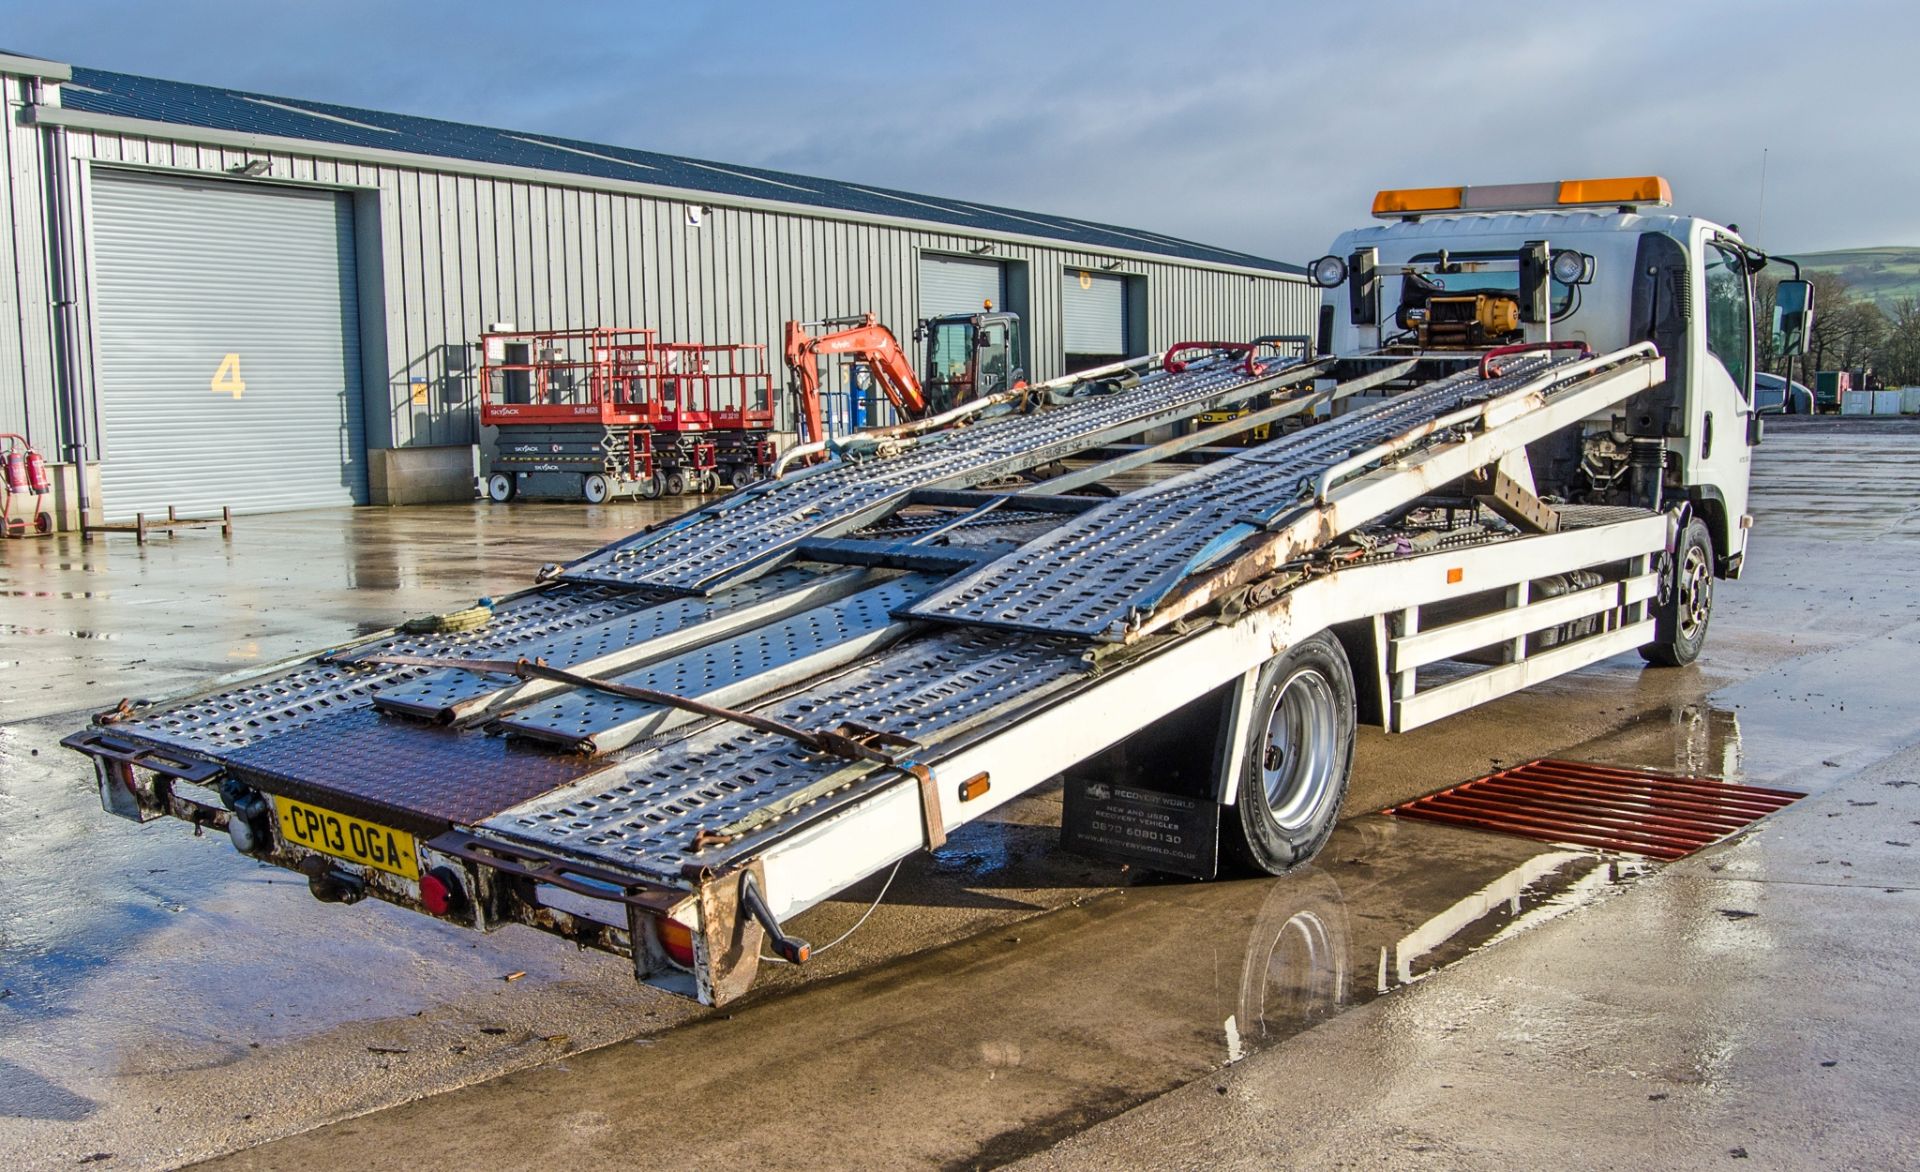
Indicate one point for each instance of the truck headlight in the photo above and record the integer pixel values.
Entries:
(1327, 272)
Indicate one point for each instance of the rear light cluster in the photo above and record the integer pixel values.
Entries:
(676, 939)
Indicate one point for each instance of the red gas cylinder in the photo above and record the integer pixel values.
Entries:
(37, 477)
(17, 471)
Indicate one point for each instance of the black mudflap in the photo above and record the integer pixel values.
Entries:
(1125, 824)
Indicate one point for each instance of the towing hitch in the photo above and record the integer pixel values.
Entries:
(330, 884)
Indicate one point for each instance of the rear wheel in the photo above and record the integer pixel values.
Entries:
(502, 487)
(676, 482)
(1685, 604)
(650, 487)
(596, 488)
(1297, 760)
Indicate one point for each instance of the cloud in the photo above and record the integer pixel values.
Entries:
(1259, 126)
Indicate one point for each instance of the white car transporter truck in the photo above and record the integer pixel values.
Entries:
(1520, 444)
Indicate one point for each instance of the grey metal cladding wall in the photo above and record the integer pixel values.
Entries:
(229, 358)
(27, 382)
(458, 253)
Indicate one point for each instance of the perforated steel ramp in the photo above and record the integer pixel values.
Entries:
(659, 629)
(1582, 804)
(645, 812)
(790, 649)
(316, 689)
(731, 537)
(1089, 575)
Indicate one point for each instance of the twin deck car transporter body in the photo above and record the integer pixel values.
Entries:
(1529, 451)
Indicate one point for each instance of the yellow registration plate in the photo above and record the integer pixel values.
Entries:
(347, 838)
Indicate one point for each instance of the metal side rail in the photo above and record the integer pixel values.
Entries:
(1109, 573)
(745, 533)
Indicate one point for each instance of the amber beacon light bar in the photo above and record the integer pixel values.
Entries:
(1632, 192)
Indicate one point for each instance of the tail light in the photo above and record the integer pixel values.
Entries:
(676, 939)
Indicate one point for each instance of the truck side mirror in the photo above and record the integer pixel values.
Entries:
(1793, 316)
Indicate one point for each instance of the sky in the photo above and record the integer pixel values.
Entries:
(1263, 127)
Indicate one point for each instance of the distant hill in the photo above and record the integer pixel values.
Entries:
(1883, 274)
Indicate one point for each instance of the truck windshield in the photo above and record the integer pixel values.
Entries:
(1478, 275)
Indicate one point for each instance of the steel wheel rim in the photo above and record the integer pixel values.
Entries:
(596, 489)
(1696, 592)
(1297, 766)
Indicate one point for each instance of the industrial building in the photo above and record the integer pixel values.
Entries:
(228, 299)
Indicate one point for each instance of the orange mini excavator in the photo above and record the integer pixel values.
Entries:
(968, 356)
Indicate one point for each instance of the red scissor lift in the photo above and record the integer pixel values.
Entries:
(611, 412)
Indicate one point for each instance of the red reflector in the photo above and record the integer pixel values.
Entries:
(439, 891)
(677, 939)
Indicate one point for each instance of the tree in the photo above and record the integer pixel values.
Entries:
(1847, 329)
(1898, 360)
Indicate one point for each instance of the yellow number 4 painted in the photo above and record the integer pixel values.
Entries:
(226, 380)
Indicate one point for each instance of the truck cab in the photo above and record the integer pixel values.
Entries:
(1600, 262)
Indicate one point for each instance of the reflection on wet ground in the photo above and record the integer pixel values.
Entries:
(1019, 1035)
(288, 583)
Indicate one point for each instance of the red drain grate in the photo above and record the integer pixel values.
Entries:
(1575, 802)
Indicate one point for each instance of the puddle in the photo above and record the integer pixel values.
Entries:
(1032, 1031)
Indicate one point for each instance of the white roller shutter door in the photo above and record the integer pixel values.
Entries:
(950, 284)
(229, 353)
(1094, 309)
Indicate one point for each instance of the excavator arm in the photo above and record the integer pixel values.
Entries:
(863, 339)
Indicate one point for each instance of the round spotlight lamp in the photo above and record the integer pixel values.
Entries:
(1572, 268)
(1327, 272)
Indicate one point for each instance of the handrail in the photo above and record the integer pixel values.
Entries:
(1173, 365)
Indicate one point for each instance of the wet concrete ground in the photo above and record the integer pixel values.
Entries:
(166, 1001)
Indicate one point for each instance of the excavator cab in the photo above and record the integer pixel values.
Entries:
(969, 356)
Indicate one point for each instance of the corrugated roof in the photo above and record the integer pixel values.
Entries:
(182, 104)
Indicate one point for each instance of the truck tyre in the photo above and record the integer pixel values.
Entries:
(1684, 606)
(1297, 759)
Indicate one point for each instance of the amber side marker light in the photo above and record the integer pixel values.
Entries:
(974, 786)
